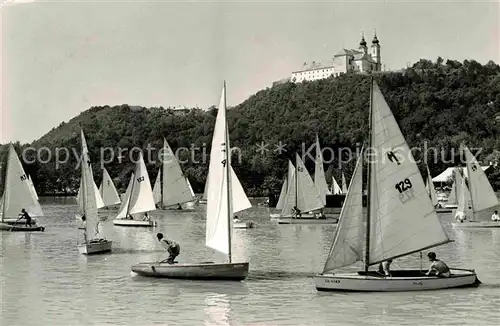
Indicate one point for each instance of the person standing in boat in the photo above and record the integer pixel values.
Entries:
(84, 227)
(172, 247)
(495, 217)
(24, 214)
(384, 268)
(438, 268)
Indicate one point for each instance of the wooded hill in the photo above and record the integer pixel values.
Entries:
(440, 103)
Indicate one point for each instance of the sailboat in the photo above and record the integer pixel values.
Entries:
(225, 197)
(92, 244)
(138, 199)
(319, 174)
(17, 220)
(303, 195)
(432, 194)
(400, 221)
(17, 195)
(482, 197)
(108, 191)
(171, 184)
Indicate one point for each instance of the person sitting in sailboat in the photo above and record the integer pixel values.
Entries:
(495, 217)
(437, 268)
(146, 217)
(384, 268)
(296, 211)
(24, 214)
(172, 247)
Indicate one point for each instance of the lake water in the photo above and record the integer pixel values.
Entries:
(45, 281)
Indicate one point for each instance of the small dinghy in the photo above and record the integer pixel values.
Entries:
(88, 206)
(400, 221)
(225, 197)
(19, 194)
(199, 271)
(138, 199)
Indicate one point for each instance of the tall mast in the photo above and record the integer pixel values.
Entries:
(228, 183)
(369, 181)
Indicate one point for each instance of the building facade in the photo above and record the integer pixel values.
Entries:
(362, 60)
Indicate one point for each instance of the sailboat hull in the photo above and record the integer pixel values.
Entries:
(311, 220)
(475, 225)
(20, 228)
(97, 246)
(402, 281)
(200, 271)
(135, 223)
(12, 221)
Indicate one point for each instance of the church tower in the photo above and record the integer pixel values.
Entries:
(362, 44)
(375, 52)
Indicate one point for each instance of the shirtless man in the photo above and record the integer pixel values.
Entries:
(437, 268)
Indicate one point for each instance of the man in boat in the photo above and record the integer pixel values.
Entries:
(438, 268)
(24, 214)
(495, 217)
(296, 212)
(179, 207)
(172, 247)
(384, 268)
(460, 216)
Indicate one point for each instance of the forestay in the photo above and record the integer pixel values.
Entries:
(224, 191)
(175, 187)
(483, 196)
(18, 193)
(108, 191)
(319, 174)
(349, 240)
(402, 218)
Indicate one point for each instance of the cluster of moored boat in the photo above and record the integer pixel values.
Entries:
(401, 217)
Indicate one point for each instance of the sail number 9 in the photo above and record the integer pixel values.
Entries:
(140, 179)
(405, 190)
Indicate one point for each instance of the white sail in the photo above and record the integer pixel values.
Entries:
(430, 188)
(33, 190)
(348, 243)
(157, 188)
(18, 193)
(319, 174)
(224, 191)
(464, 199)
(108, 191)
(281, 199)
(452, 198)
(98, 198)
(1, 205)
(483, 196)
(141, 198)
(122, 211)
(308, 198)
(175, 187)
(402, 218)
(204, 197)
(344, 184)
(336, 190)
(190, 187)
(88, 196)
(291, 193)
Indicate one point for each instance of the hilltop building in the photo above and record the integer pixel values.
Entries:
(361, 60)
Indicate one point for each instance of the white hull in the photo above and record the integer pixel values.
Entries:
(13, 221)
(450, 206)
(200, 271)
(474, 225)
(95, 247)
(409, 282)
(243, 225)
(137, 223)
(307, 221)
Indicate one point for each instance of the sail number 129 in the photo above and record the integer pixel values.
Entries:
(405, 190)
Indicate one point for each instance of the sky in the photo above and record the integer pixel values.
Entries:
(61, 57)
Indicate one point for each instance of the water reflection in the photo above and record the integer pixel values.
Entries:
(217, 309)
